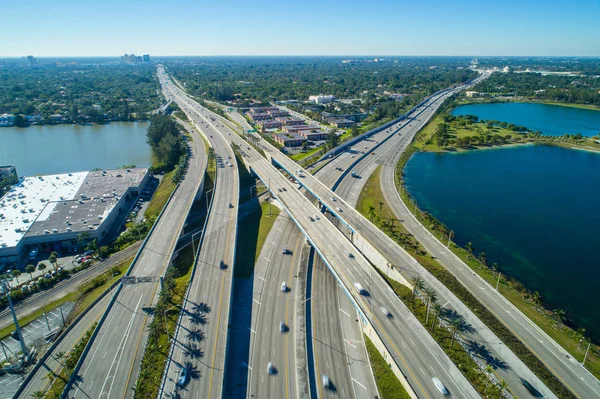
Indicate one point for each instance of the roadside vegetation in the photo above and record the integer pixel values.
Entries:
(255, 228)
(58, 381)
(388, 385)
(555, 322)
(371, 204)
(164, 322)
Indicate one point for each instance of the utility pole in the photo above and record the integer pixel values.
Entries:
(498, 281)
(4, 289)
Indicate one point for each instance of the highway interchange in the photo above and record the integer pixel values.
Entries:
(340, 313)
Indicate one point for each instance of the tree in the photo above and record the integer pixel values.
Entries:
(332, 140)
(82, 238)
(482, 258)
(561, 315)
(456, 325)
(16, 274)
(536, 298)
(20, 121)
(437, 313)
(371, 213)
(42, 266)
(431, 298)
(38, 394)
(30, 269)
(418, 284)
(381, 204)
(354, 131)
(470, 248)
(53, 259)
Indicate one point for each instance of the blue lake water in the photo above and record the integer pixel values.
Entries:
(71, 148)
(554, 120)
(535, 210)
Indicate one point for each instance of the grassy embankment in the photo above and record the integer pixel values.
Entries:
(254, 228)
(570, 339)
(373, 197)
(387, 383)
(162, 327)
(82, 298)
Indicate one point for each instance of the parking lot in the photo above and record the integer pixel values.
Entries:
(34, 334)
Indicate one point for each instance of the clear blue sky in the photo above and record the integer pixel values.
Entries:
(300, 27)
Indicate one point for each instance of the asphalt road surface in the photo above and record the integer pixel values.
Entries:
(401, 330)
(200, 344)
(111, 366)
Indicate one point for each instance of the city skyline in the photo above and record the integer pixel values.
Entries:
(233, 27)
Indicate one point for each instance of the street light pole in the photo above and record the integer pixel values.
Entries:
(206, 196)
(4, 289)
(498, 281)
(586, 353)
(449, 238)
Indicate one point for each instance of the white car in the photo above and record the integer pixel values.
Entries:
(441, 387)
(385, 312)
(326, 382)
(283, 287)
(270, 368)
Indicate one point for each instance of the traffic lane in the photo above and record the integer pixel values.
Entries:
(328, 345)
(354, 271)
(267, 171)
(275, 307)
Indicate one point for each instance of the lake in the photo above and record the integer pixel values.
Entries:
(71, 148)
(535, 210)
(553, 120)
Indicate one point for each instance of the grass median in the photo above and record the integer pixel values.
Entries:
(388, 385)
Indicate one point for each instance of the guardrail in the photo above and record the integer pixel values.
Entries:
(69, 383)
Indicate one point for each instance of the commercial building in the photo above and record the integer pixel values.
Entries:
(290, 121)
(258, 116)
(52, 210)
(262, 110)
(268, 124)
(278, 113)
(321, 99)
(289, 139)
(134, 59)
(342, 123)
(295, 128)
(313, 135)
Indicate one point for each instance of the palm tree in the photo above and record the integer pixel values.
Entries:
(53, 259)
(482, 258)
(503, 384)
(418, 284)
(42, 266)
(456, 325)
(560, 314)
(371, 213)
(437, 312)
(30, 269)
(38, 394)
(470, 248)
(536, 298)
(380, 207)
(16, 274)
(431, 298)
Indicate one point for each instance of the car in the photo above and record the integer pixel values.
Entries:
(333, 199)
(441, 387)
(284, 189)
(285, 251)
(279, 189)
(325, 380)
(283, 287)
(282, 326)
(270, 368)
(337, 208)
(310, 218)
(350, 255)
(359, 288)
(183, 377)
(385, 311)
(230, 205)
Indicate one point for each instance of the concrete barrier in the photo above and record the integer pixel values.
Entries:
(378, 260)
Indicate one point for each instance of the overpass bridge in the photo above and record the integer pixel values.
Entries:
(411, 348)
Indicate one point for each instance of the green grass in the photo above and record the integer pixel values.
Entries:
(162, 328)
(160, 197)
(387, 383)
(371, 196)
(82, 298)
(303, 155)
(254, 229)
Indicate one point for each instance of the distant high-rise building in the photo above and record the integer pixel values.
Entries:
(146, 57)
(134, 59)
(30, 60)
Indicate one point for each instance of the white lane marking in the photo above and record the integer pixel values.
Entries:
(342, 310)
(350, 343)
(256, 301)
(359, 383)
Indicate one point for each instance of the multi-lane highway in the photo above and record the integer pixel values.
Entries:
(568, 370)
(270, 341)
(201, 339)
(110, 368)
(419, 351)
